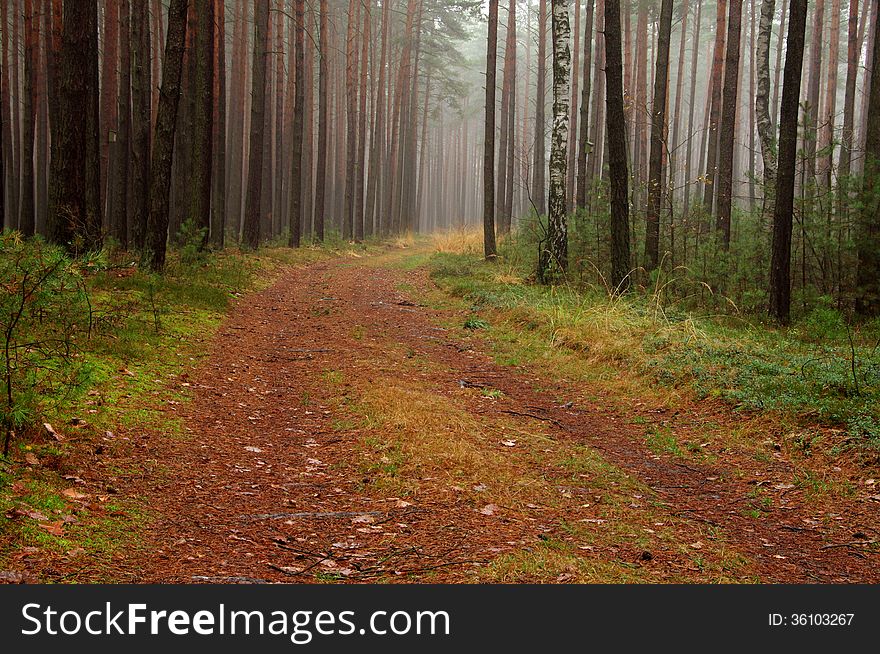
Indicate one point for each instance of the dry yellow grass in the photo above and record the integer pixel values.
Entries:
(462, 240)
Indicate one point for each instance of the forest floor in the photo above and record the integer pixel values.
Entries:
(345, 425)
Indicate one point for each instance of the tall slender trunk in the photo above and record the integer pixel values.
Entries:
(140, 121)
(163, 142)
(539, 193)
(762, 99)
(218, 202)
(251, 235)
(554, 254)
(573, 116)
(849, 104)
(75, 198)
(618, 169)
(489, 248)
(868, 235)
(780, 263)
(675, 144)
(120, 174)
(323, 111)
(109, 89)
(715, 106)
(689, 157)
(584, 138)
(296, 189)
(728, 123)
(27, 217)
(658, 138)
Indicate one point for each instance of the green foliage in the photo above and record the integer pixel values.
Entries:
(191, 239)
(44, 317)
(473, 323)
(821, 369)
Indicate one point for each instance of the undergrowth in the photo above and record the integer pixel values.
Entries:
(821, 369)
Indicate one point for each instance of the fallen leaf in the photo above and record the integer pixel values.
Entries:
(489, 509)
(363, 518)
(697, 546)
(54, 528)
(73, 494)
(251, 448)
(31, 459)
(50, 431)
(402, 504)
(509, 443)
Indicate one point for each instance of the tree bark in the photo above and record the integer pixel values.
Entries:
(849, 104)
(163, 142)
(323, 115)
(728, 123)
(489, 248)
(688, 168)
(251, 235)
(75, 198)
(617, 165)
(539, 193)
(780, 263)
(140, 122)
(765, 128)
(296, 173)
(584, 138)
(121, 151)
(218, 208)
(811, 110)
(868, 237)
(109, 90)
(715, 106)
(658, 138)
(554, 254)
(203, 129)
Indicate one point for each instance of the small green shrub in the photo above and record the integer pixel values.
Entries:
(44, 314)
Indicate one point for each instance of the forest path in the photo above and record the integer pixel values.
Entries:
(341, 429)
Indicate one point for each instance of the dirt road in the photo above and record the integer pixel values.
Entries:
(343, 430)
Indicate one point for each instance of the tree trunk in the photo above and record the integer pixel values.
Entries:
(715, 106)
(780, 263)
(296, 174)
(618, 169)
(121, 151)
(163, 142)
(675, 144)
(868, 236)
(218, 208)
(688, 168)
(554, 254)
(584, 137)
(10, 179)
(728, 123)
(489, 248)
(323, 115)
(109, 90)
(811, 111)
(849, 104)
(75, 200)
(140, 121)
(3, 140)
(658, 139)
(573, 116)
(508, 91)
(27, 217)
(539, 193)
(362, 125)
(762, 99)
(251, 235)
(203, 89)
